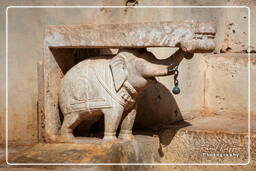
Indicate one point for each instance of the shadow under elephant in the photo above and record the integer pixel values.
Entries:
(157, 110)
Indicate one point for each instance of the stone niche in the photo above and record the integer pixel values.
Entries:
(65, 46)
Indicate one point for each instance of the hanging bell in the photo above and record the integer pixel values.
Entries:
(176, 90)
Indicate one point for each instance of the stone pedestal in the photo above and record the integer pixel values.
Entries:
(202, 140)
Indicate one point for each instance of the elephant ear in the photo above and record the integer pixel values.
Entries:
(119, 71)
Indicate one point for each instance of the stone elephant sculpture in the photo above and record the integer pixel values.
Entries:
(110, 87)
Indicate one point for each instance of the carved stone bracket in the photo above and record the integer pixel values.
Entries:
(190, 36)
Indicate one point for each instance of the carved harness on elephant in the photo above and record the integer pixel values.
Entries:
(125, 95)
(82, 89)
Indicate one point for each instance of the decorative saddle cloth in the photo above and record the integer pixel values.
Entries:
(91, 89)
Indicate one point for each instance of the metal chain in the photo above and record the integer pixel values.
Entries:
(176, 74)
(176, 89)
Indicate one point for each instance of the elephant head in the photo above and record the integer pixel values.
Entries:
(140, 67)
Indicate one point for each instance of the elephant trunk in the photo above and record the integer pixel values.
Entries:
(164, 67)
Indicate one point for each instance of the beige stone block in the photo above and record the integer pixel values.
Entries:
(226, 88)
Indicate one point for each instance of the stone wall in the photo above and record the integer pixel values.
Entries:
(26, 34)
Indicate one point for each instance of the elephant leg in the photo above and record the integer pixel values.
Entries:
(112, 119)
(70, 122)
(127, 124)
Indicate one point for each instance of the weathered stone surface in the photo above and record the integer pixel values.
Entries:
(226, 88)
(142, 149)
(235, 32)
(193, 141)
(31, 35)
(190, 36)
(208, 140)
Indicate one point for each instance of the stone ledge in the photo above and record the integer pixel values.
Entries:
(142, 149)
(193, 141)
(211, 139)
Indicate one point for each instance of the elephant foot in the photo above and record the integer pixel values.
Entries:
(66, 135)
(109, 137)
(126, 135)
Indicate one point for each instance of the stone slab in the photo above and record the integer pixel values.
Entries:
(142, 149)
(211, 139)
(155, 34)
(192, 141)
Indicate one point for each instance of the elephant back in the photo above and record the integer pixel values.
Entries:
(81, 90)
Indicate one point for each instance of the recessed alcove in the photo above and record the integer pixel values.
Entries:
(66, 45)
(217, 116)
(66, 57)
